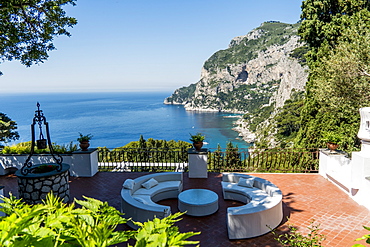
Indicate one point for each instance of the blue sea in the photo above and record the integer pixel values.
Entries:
(115, 119)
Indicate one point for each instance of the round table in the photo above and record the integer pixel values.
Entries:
(198, 202)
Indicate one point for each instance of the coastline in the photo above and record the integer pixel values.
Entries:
(190, 108)
(244, 132)
(240, 126)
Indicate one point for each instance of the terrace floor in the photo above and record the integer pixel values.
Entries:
(306, 197)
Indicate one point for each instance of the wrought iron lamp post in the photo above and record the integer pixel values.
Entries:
(35, 181)
(41, 143)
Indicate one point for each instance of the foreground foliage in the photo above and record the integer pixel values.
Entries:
(296, 239)
(161, 232)
(365, 237)
(54, 223)
(92, 224)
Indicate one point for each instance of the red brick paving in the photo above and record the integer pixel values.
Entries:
(306, 197)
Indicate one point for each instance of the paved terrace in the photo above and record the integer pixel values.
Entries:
(305, 197)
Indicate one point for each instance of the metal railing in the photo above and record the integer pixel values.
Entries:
(142, 160)
(264, 160)
(219, 160)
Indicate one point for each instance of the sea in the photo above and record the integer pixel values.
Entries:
(115, 119)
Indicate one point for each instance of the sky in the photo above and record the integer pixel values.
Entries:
(142, 45)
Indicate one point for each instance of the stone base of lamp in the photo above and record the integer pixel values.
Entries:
(34, 187)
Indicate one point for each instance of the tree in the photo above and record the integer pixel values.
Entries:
(337, 32)
(288, 119)
(7, 129)
(233, 157)
(28, 27)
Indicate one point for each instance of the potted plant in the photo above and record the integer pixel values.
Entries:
(84, 141)
(332, 139)
(197, 140)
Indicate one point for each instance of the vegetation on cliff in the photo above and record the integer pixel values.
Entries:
(338, 34)
(254, 76)
(336, 49)
(269, 34)
(181, 95)
(245, 77)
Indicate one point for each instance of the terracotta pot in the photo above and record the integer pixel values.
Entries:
(84, 145)
(332, 146)
(198, 145)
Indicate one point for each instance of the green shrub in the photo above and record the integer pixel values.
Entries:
(198, 137)
(365, 237)
(332, 137)
(295, 239)
(92, 224)
(161, 232)
(25, 148)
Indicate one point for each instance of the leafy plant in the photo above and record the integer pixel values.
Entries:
(92, 224)
(54, 223)
(84, 138)
(332, 137)
(162, 232)
(295, 239)
(365, 237)
(198, 137)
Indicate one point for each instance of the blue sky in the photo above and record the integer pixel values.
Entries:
(142, 45)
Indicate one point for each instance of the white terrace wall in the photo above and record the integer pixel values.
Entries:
(351, 175)
(82, 163)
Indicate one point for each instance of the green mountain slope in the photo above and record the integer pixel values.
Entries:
(255, 75)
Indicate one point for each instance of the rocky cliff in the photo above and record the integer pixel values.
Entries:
(256, 73)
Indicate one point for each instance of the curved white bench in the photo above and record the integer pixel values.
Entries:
(139, 203)
(263, 210)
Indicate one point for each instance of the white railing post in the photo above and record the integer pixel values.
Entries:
(84, 163)
(198, 161)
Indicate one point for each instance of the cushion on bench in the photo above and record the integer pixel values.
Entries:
(163, 186)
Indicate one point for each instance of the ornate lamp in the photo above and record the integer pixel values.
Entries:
(41, 143)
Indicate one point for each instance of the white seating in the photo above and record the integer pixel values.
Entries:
(262, 212)
(139, 203)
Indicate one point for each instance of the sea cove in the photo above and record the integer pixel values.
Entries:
(115, 119)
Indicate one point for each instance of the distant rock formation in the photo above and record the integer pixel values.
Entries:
(257, 70)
